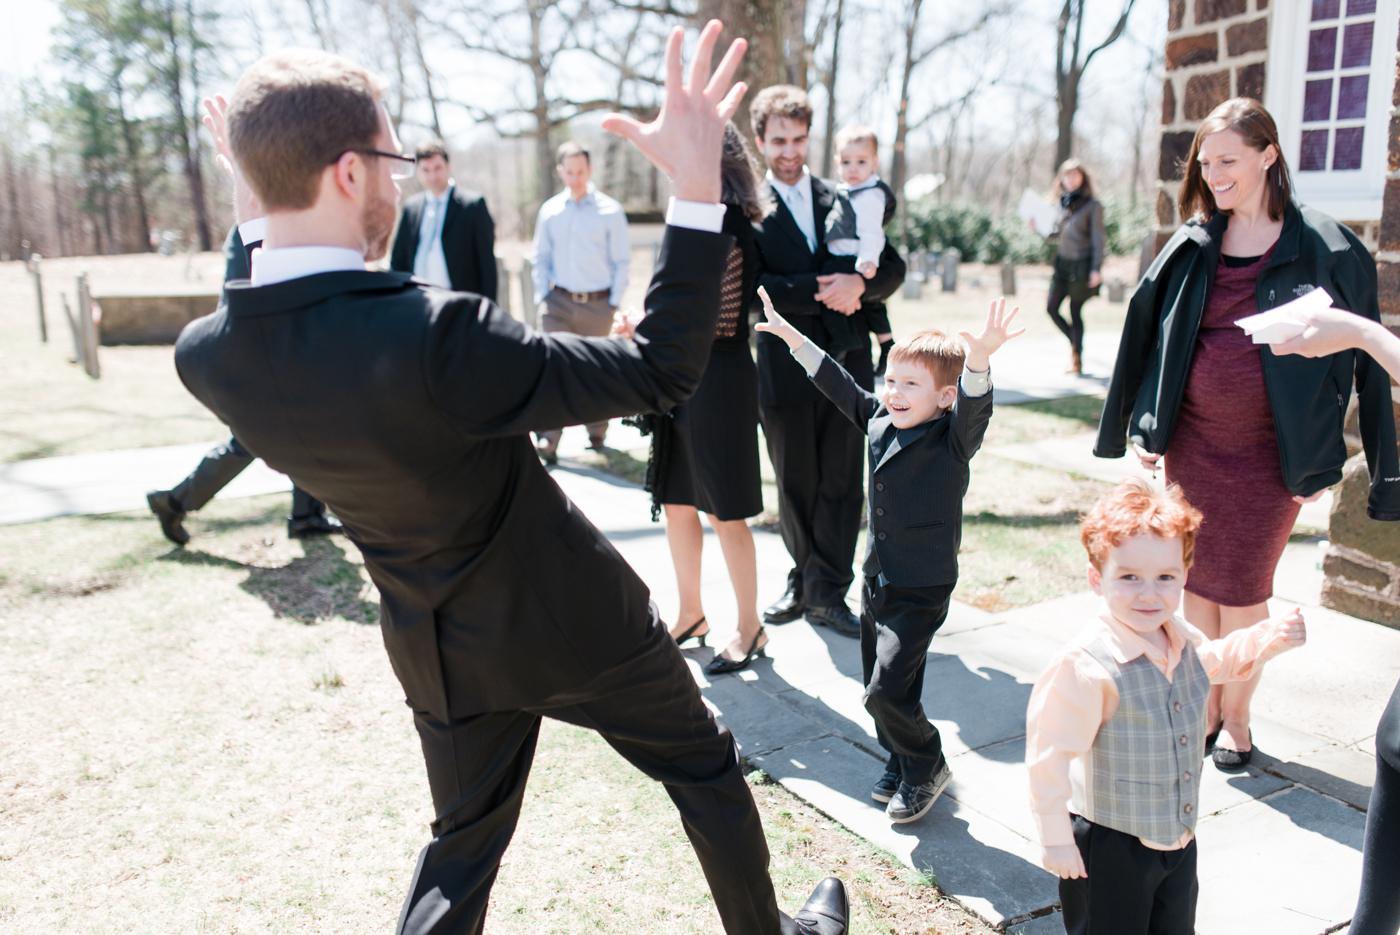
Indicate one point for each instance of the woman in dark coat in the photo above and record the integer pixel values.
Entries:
(704, 455)
(1081, 238)
(1247, 434)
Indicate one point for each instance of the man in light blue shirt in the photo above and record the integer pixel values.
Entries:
(581, 258)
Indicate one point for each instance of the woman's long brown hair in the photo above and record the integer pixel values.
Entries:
(1256, 127)
(739, 179)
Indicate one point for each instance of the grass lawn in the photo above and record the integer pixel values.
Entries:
(210, 739)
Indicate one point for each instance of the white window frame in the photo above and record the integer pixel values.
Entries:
(1352, 195)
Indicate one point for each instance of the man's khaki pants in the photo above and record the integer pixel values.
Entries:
(559, 312)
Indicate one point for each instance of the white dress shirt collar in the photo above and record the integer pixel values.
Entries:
(283, 263)
(802, 188)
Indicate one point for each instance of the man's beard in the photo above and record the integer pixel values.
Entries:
(378, 217)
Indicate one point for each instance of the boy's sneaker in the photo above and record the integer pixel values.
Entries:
(913, 802)
(887, 786)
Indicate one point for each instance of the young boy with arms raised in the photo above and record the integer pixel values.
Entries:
(923, 433)
(1116, 728)
(855, 234)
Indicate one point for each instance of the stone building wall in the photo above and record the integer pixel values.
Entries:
(1218, 49)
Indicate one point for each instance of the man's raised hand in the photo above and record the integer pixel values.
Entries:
(981, 347)
(685, 139)
(245, 203)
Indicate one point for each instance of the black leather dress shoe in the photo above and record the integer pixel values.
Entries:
(838, 617)
(308, 526)
(785, 609)
(826, 912)
(171, 519)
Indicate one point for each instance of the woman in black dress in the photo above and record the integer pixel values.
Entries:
(704, 455)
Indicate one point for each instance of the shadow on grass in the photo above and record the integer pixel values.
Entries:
(319, 585)
(1086, 409)
(1023, 520)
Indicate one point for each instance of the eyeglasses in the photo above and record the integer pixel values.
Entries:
(404, 168)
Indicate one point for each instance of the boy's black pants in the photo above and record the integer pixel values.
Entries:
(896, 627)
(1132, 889)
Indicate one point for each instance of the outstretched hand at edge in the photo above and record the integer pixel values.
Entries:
(777, 324)
(245, 203)
(995, 333)
(685, 139)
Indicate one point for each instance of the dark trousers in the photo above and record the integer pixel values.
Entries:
(818, 456)
(1131, 889)
(896, 627)
(218, 468)
(1074, 328)
(649, 710)
(1378, 906)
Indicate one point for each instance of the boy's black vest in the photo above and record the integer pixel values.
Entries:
(841, 219)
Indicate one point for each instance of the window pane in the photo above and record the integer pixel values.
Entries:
(1360, 7)
(1326, 9)
(1347, 155)
(1351, 103)
(1322, 49)
(1317, 100)
(1312, 155)
(1356, 45)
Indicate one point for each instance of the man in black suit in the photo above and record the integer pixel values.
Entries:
(217, 469)
(408, 410)
(816, 452)
(446, 236)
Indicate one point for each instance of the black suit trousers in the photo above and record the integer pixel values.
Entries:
(896, 626)
(217, 469)
(1131, 888)
(650, 711)
(818, 457)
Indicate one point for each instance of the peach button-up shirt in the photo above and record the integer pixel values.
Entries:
(1076, 695)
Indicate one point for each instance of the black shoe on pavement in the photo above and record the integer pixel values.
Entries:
(838, 616)
(171, 519)
(309, 526)
(886, 787)
(826, 912)
(911, 803)
(787, 608)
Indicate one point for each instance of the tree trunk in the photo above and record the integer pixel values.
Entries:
(57, 206)
(196, 166)
(133, 160)
(898, 164)
(180, 121)
(763, 23)
(829, 158)
(544, 152)
(411, 9)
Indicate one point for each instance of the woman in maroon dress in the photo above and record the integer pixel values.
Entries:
(1239, 425)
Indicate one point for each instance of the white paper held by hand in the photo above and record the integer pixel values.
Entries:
(1281, 323)
(1041, 215)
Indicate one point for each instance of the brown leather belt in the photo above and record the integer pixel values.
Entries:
(583, 298)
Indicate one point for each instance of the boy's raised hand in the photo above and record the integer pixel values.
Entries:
(994, 334)
(777, 324)
(1064, 861)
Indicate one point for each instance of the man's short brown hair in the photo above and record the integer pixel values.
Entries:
(857, 133)
(295, 112)
(430, 149)
(933, 350)
(572, 149)
(781, 100)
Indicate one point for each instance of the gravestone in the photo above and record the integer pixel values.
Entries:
(152, 315)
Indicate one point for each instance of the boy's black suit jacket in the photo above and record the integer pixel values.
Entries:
(468, 241)
(406, 409)
(788, 269)
(918, 478)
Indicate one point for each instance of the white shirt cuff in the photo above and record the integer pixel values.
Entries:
(976, 384)
(696, 215)
(254, 231)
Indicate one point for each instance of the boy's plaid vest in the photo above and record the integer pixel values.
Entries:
(1144, 771)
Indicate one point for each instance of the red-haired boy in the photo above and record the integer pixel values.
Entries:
(1115, 731)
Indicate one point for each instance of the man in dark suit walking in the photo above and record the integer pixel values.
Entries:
(408, 410)
(816, 452)
(446, 236)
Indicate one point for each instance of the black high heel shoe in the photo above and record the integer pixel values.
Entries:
(720, 665)
(691, 634)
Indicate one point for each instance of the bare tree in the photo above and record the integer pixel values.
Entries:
(1069, 69)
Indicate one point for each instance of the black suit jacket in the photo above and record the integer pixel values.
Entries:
(407, 408)
(788, 269)
(468, 241)
(918, 478)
